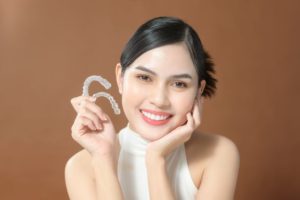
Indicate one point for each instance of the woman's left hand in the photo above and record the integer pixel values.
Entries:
(162, 147)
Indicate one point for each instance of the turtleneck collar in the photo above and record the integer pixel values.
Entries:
(132, 142)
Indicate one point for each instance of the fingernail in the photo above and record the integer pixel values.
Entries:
(104, 117)
(93, 98)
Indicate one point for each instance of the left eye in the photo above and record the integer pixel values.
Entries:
(144, 77)
(180, 84)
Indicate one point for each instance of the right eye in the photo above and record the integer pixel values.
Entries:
(144, 77)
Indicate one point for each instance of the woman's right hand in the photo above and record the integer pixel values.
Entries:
(92, 128)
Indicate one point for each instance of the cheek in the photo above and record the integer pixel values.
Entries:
(184, 104)
(132, 89)
(132, 93)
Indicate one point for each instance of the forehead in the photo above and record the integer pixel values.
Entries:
(168, 59)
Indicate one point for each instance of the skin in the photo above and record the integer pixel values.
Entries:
(149, 84)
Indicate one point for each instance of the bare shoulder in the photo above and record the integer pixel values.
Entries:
(79, 161)
(225, 149)
(208, 146)
(214, 165)
(206, 149)
(79, 176)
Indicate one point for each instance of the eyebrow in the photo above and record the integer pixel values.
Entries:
(173, 76)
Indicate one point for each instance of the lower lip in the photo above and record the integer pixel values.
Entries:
(155, 122)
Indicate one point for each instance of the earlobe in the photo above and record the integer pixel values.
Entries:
(119, 77)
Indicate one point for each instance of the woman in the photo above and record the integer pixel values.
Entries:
(163, 76)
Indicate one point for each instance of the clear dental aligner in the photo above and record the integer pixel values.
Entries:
(92, 78)
(111, 100)
(106, 84)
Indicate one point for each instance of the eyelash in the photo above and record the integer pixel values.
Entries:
(183, 85)
(143, 77)
(146, 78)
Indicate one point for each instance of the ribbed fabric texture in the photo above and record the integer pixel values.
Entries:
(132, 172)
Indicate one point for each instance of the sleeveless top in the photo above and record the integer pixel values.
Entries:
(132, 173)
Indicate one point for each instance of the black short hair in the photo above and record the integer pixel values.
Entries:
(161, 31)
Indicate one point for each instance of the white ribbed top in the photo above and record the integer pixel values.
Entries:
(132, 171)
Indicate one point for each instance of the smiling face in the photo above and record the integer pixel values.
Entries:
(158, 90)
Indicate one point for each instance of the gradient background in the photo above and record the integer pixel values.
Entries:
(48, 48)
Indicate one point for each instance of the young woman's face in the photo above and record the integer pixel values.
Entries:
(158, 90)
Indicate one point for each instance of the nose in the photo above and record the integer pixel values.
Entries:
(159, 97)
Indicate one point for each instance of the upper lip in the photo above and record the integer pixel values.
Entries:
(156, 112)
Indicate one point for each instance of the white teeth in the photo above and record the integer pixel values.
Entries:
(155, 117)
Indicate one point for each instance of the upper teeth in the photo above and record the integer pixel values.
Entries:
(155, 117)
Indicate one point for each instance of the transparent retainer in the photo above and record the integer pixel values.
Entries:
(107, 85)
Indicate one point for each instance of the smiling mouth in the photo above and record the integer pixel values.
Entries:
(155, 118)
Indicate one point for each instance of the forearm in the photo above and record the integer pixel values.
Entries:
(107, 183)
(159, 185)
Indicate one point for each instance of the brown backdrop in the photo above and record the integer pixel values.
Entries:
(49, 47)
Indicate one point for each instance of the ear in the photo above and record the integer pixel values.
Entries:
(119, 77)
(201, 88)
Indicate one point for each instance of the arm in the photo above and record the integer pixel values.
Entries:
(91, 178)
(93, 175)
(79, 177)
(220, 177)
(159, 185)
(107, 183)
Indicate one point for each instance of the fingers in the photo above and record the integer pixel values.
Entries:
(76, 101)
(190, 123)
(81, 126)
(91, 106)
(89, 103)
(90, 116)
(84, 122)
(197, 111)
